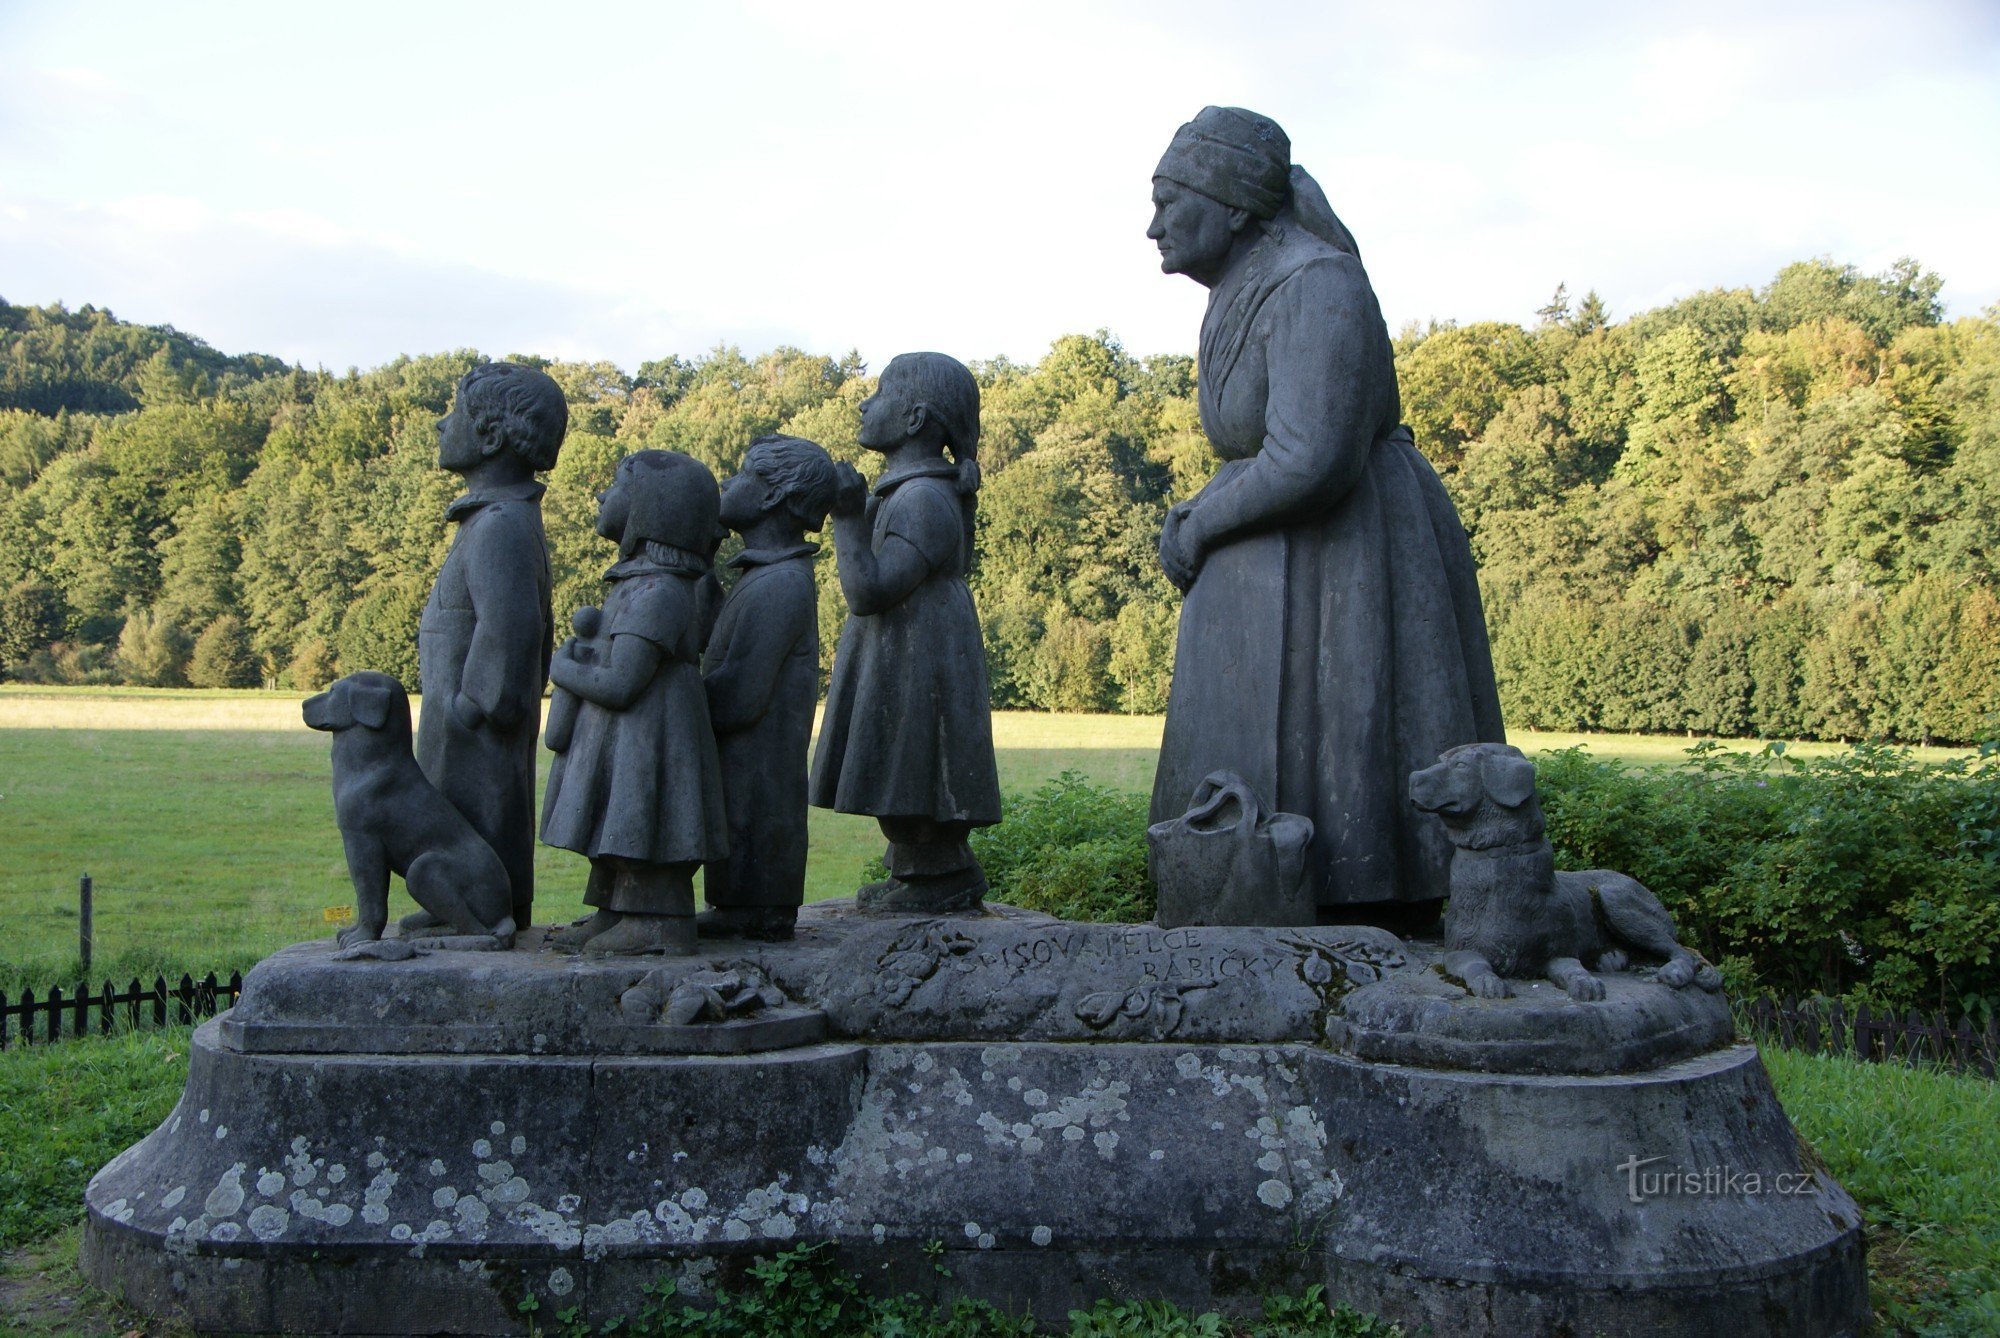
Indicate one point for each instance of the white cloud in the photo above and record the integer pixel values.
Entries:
(627, 182)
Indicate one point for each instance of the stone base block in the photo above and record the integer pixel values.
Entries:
(430, 1194)
(498, 1126)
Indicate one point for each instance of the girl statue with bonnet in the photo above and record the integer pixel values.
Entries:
(635, 784)
(1331, 640)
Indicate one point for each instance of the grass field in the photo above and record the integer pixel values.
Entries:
(205, 819)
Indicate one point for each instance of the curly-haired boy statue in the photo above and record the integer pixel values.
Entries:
(483, 644)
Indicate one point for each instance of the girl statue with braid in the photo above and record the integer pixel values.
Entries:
(907, 735)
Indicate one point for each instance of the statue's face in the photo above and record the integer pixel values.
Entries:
(614, 506)
(460, 446)
(1193, 231)
(744, 499)
(885, 416)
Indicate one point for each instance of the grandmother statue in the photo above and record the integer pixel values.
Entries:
(1331, 640)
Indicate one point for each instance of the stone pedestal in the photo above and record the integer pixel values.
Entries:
(1070, 1110)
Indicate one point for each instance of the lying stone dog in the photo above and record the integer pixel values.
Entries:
(393, 820)
(1511, 913)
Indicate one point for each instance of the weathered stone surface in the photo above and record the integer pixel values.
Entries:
(1158, 1123)
(1034, 978)
(306, 1000)
(1423, 1017)
(1049, 1172)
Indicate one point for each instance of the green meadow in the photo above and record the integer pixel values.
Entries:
(205, 820)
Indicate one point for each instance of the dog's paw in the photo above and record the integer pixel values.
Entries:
(1613, 959)
(1489, 986)
(360, 932)
(380, 950)
(1676, 972)
(1708, 978)
(1585, 988)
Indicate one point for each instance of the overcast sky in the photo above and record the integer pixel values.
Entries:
(337, 184)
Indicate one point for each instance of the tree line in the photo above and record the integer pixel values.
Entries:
(1770, 512)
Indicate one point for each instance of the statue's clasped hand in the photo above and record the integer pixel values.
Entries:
(467, 711)
(850, 490)
(1180, 557)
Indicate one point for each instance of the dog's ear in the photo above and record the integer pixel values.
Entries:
(1509, 778)
(370, 703)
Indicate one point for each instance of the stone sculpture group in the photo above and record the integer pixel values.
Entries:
(680, 717)
(1286, 1080)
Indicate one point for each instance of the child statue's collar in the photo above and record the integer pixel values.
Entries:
(942, 469)
(506, 492)
(764, 557)
(659, 560)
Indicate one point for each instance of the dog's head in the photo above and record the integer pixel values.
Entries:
(367, 699)
(1483, 783)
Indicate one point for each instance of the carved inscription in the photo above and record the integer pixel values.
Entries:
(1164, 955)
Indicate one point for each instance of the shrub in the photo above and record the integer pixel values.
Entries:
(32, 615)
(222, 656)
(1073, 850)
(152, 650)
(1862, 873)
(69, 663)
(312, 666)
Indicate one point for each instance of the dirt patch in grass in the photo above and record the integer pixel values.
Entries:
(41, 1293)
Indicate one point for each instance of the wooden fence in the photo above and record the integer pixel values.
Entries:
(56, 1016)
(1881, 1035)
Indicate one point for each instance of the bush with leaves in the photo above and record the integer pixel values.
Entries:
(1074, 850)
(223, 657)
(1863, 873)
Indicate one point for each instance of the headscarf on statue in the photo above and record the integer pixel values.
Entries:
(1245, 161)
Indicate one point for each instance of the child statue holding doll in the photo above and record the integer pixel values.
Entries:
(907, 735)
(637, 787)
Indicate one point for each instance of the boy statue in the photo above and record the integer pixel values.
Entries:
(484, 641)
(762, 674)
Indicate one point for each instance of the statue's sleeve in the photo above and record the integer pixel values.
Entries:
(929, 519)
(1326, 356)
(504, 662)
(658, 609)
(776, 610)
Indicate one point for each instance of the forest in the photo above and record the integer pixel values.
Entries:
(1770, 512)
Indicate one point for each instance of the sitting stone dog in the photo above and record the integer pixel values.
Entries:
(1511, 913)
(392, 819)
